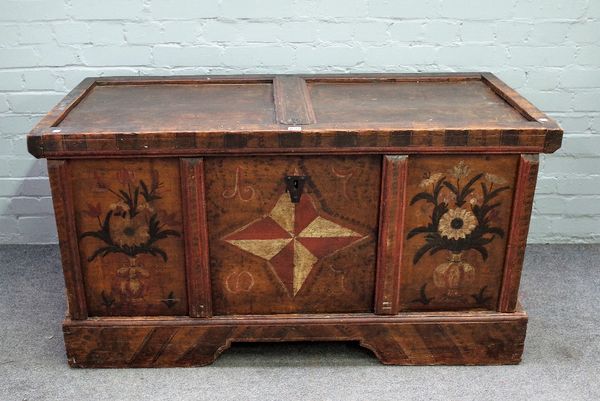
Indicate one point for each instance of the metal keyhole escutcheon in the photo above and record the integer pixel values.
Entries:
(294, 185)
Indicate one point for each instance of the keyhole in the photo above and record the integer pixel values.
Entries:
(294, 185)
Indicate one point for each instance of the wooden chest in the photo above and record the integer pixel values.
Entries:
(391, 210)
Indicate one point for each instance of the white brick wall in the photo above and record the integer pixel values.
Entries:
(549, 50)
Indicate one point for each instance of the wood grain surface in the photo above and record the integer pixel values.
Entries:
(438, 339)
(519, 228)
(391, 239)
(196, 237)
(271, 256)
(381, 113)
(468, 102)
(64, 212)
(175, 107)
(432, 281)
(179, 234)
(119, 283)
(292, 101)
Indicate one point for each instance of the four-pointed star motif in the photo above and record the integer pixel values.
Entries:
(293, 237)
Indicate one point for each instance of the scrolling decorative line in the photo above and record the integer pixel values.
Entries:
(237, 282)
(340, 274)
(345, 177)
(246, 193)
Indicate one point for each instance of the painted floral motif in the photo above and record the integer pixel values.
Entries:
(131, 279)
(131, 226)
(432, 179)
(129, 232)
(463, 210)
(457, 223)
(466, 226)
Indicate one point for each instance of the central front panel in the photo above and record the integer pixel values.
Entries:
(305, 244)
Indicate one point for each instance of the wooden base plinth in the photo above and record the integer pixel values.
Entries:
(449, 338)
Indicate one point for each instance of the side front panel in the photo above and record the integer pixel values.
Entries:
(519, 228)
(130, 233)
(62, 199)
(456, 225)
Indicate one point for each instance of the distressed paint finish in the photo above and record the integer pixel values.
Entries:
(437, 339)
(391, 113)
(269, 255)
(420, 287)
(178, 236)
(115, 283)
(196, 237)
(64, 210)
(391, 238)
(519, 227)
(293, 237)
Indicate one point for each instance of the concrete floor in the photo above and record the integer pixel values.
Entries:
(561, 362)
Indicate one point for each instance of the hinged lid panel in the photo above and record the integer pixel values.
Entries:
(301, 114)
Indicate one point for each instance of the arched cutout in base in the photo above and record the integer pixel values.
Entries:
(442, 339)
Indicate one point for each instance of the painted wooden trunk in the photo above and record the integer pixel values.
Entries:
(391, 210)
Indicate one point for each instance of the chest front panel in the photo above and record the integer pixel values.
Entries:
(268, 253)
(130, 233)
(272, 255)
(456, 227)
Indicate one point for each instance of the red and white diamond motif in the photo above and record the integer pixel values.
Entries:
(293, 237)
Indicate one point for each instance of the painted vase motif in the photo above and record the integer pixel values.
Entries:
(462, 208)
(453, 275)
(133, 225)
(131, 280)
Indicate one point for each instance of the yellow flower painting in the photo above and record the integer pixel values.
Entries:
(462, 204)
